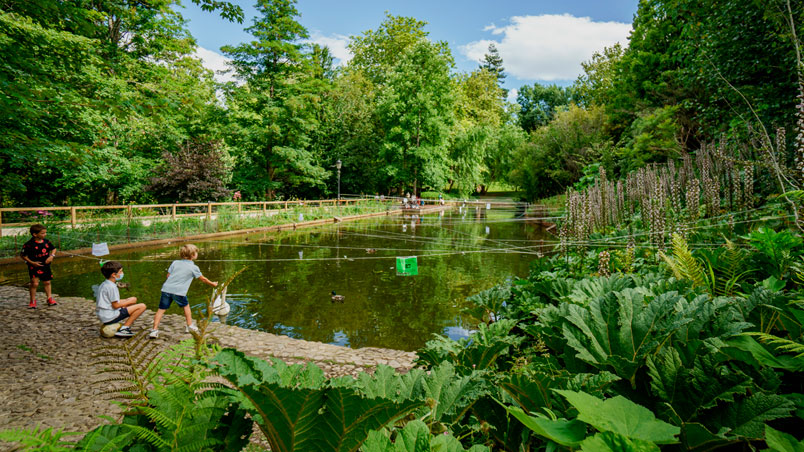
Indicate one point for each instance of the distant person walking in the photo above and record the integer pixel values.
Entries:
(180, 275)
(39, 253)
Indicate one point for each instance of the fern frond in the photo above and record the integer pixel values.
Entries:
(158, 417)
(204, 444)
(149, 436)
(38, 438)
(782, 344)
(684, 265)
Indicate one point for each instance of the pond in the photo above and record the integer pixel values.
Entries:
(286, 288)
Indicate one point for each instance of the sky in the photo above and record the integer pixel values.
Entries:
(540, 41)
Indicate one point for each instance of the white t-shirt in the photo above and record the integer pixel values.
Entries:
(107, 294)
(181, 275)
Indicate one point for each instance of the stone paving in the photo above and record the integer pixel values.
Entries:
(46, 377)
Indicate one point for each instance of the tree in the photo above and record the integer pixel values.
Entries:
(376, 52)
(558, 152)
(479, 113)
(351, 132)
(416, 110)
(275, 113)
(493, 62)
(539, 103)
(198, 171)
(594, 86)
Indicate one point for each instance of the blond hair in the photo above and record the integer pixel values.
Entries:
(188, 251)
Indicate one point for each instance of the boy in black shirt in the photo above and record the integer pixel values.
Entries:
(38, 253)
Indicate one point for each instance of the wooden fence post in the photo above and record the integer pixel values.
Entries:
(209, 211)
(1, 224)
(239, 207)
(173, 212)
(72, 217)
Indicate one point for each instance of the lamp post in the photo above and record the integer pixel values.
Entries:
(338, 165)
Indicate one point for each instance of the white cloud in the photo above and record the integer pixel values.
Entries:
(512, 93)
(337, 46)
(215, 62)
(548, 47)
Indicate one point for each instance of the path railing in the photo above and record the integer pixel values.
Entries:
(147, 211)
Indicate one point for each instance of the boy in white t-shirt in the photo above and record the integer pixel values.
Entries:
(180, 275)
(109, 307)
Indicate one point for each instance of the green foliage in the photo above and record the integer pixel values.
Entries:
(782, 442)
(539, 104)
(38, 438)
(296, 412)
(486, 349)
(618, 419)
(776, 250)
(654, 136)
(415, 437)
(559, 151)
(683, 265)
(416, 109)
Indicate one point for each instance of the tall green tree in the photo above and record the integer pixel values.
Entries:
(493, 62)
(479, 113)
(275, 112)
(376, 51)
(416, 110)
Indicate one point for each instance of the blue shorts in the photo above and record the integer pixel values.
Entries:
(122, 316)
(167, 298)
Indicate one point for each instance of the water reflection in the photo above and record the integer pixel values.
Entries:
(286, 288)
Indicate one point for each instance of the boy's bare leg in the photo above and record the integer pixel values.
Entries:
(32, 288)
(188, 315)
(158, 318)
(134, 312)
(46, 286)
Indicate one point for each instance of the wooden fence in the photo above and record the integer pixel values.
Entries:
(206, 209)
(203, 210)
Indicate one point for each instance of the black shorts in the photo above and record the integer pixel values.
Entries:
(42, 273)
(122, 314)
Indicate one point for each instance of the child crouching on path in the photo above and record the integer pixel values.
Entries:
(110, 308)
(180, 275)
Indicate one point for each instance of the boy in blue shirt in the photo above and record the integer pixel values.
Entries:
(110, 308)
(180, 275)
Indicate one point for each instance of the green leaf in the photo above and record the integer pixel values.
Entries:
(622, 416)
(782, 442)
(453, 394)
(106, 438)
(562, 431)
(760, 354)
(746, 418)
(695, 436)
(613, 442)
(297, 415)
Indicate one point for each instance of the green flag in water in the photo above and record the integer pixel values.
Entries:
(407, 266)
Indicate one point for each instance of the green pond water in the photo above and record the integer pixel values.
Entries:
(286, 288)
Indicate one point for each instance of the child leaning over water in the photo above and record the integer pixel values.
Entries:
(110, 308)
(180, 275)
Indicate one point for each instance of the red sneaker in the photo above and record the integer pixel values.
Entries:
(32, 305)
(51, 302)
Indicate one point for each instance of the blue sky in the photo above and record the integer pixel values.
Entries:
(540, 41)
